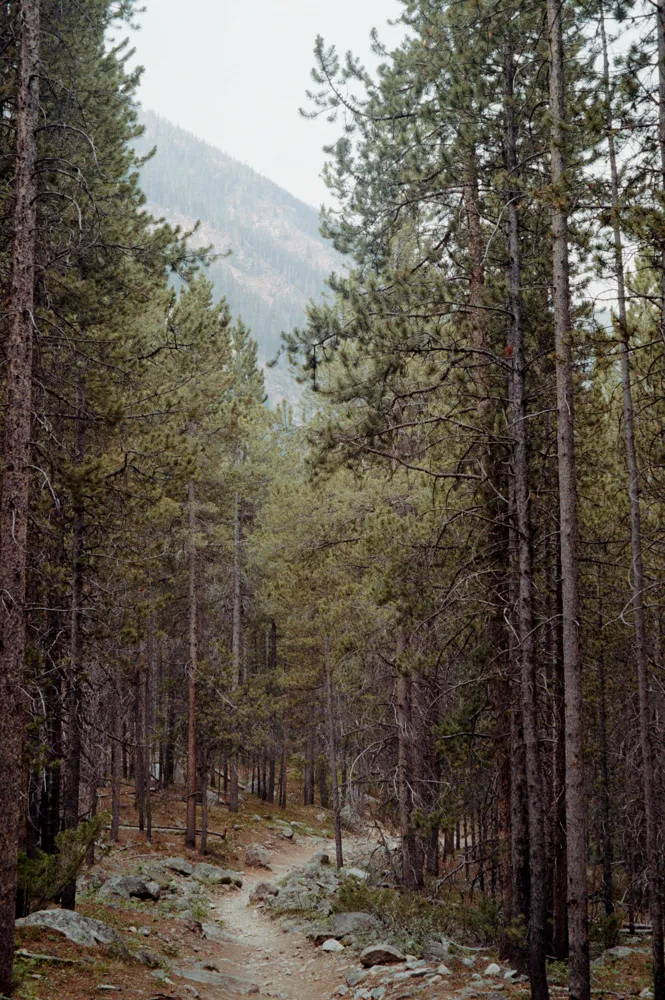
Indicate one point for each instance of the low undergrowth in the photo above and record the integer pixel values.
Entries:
(412, 919)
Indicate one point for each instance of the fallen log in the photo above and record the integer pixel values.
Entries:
(22, 953)
(169, 829)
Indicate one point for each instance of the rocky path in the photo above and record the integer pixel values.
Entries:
(254, 954)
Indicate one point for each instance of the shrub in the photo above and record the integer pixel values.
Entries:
(42, 878)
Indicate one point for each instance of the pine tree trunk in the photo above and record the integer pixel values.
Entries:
(237, 591)
(190, 835)
(147, 729)
(116, 773)
(203, 846)
(332, 750)
(637, 594)
(410, 879)
(139, 753)
(576, 806)
(527, 655)
(75, 668)
(16, 471)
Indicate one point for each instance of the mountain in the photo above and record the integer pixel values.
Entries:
(277, 261)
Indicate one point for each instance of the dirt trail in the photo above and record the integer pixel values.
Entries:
(258, 952)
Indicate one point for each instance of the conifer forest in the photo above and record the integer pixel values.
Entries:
(400, 644)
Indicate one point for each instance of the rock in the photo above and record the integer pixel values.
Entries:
(322, 817)
(378, 993)
(127, 886)
(436, 948)
(332, 944)
(355, 976)
(230, 983)
(352, 923)
(257, 856)
(443, 970)
(510, 974)
(619, 952)
(213, 932)
(355, 873)
(212, 875)
(646, 994)
(380, 954)
(256, 818)
(469, 961)
(350, 818)
(263, 891)
(145, 931)
(320, 858)
(494, 996)
(341, 990)
(148, 958)
(179, 865)
(77, 928)
(492, 970)
(287, 833)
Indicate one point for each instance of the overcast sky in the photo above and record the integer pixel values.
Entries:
(235, 72)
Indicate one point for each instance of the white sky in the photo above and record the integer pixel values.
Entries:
(235, 72)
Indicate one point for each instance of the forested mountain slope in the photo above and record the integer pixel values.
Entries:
(277, 260)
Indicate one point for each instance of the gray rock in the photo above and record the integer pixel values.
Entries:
(510, 974)
(332, 944)
(231, 983)
(77, 928)
(469, 961)
(619, 952)
(263, 891)
(287, 833)
(492, 970)
(355, 873)
(213, 932)
(179, 865)
(257, 856)
(212, 875)
(443, 970)
(127, 886)
(148, 958)
(355, 976)
(145, 931)
(341, 990)
(380, 954)
(378, 993)
(352, 923)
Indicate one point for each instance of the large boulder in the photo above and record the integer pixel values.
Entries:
(263, 891)
(74, 926)
(127, 886)
(180, 865)
(380, 954)
(352, 923)
(212, 875)
(257, 856)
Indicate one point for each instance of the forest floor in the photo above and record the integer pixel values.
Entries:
(254, 953)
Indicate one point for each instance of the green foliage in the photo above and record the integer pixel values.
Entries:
(411, 918)
(41, 879)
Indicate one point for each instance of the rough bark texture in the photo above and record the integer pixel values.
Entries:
(527, 652)
(637, 589)
(332, 750)
(576, 806)
(190, 836)
(16, 472)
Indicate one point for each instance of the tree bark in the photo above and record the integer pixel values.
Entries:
(71, 801)
(637, 588)
(190, 835)
(332, 750)
(537, 850)
(576, 806)
(16, 472)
